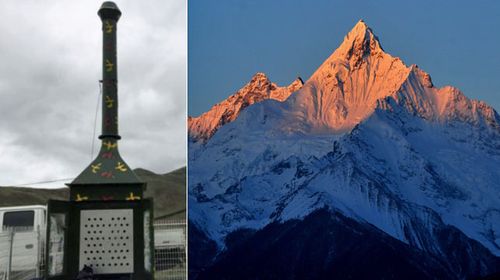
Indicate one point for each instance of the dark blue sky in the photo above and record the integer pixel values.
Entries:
(456, 42)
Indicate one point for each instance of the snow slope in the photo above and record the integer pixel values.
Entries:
(258, 89)
(366, 136)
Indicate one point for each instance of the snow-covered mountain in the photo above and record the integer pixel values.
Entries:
(258, 89)
(372, 141)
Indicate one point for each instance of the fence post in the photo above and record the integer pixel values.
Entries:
(9, 264)
(38, 256)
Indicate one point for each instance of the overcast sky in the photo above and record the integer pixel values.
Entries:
(50, 64)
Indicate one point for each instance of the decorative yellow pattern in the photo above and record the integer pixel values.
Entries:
(109, 65)
(108, 26)
(121, 167)
(95, 167)
(132, 197)
(81, 198)
(109, 101)
(109, 145)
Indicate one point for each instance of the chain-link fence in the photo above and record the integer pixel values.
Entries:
(170, 249)
(22, 252)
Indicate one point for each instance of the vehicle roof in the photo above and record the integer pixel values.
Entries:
(23, 207)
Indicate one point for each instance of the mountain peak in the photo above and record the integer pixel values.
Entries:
(258, 89)
(359, 42)
(260, 78)
(260, 75)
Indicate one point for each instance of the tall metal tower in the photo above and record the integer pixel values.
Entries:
(107, 224)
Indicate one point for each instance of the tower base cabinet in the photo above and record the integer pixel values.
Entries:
(113, 238)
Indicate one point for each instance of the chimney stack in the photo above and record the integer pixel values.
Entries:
(108, 168)
(109, 14)
(106, 200)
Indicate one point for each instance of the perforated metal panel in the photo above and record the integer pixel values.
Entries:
(107, 240)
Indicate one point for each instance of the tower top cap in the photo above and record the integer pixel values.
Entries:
(109, 10)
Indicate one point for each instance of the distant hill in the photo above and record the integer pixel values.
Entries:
(168, 191)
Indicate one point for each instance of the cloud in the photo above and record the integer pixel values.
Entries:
(50, 64)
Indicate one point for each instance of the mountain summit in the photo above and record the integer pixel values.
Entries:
(359, 42)
(258, 89)
(367, 152)
(359, 75)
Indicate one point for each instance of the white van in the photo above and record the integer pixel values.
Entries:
(22, 238)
